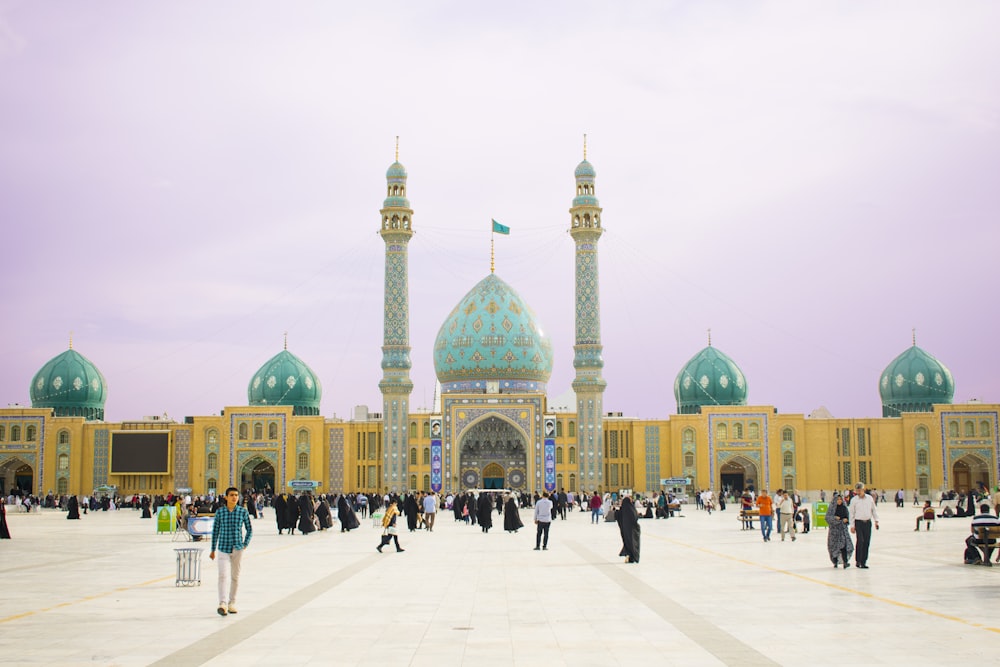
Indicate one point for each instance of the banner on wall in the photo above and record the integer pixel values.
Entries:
(549, 453)
(436, 455)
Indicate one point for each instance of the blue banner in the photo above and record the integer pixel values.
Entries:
(550, 464)
(436, 455)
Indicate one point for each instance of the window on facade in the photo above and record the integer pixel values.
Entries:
(985, 431)
(212, 436)
(372, 476)
(427, 483)
(64, 462)
(923, 484)
(427, 456)
(572, 454)
(688, 459)
(258, 431)
(787, 435)
(845, 473)
(15, 433)
(413, 481)
(921, 434)
(302, 437)
(427, 429)
(787, 460)
(63, 437)
(614, 476)
(559, 428)
(559, 454)
(213, 461)
(688, 436)
(559, 482)
(303, 461)
(62, 486)
(921, 457)
(789, 482)
(970, 429)
(613, 444)
(953, 429)
(413, 430)
(272, 431)
(241, 431)
(413, 459)
(572, 429)
(30, 432)
(845, 442)
(572, 483)
(212, 484)
(738, 431)
(862, 443)
(721, 432)
(3, 433)
(753, 431)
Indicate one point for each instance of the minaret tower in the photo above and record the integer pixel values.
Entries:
(589, 384)
(396, 385)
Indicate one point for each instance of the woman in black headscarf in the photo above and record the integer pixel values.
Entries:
(292, 517)
(4, 530)
(511, 518)
(306, 514)
(73, 507)
(280, 512)
(323, 514)
(485, 512)
(628, 524)
(348, 519)
(410, 510)
(838, 539)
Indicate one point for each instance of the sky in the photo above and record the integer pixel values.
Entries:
(183, 183)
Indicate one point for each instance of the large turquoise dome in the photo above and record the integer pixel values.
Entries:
(913, 382)
(286, 380)
(71, 385)
(492, 335)
(709, 378)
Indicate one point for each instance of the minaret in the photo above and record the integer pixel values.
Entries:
(587, 360)
(396, 385)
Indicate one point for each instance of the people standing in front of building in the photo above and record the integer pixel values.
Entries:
(73, 508)
(511, 517)
(765, 509)
(389, 530)
(543, 521)
(228, 537)
(838, 539)
(628, 525)
(862, 514)
(485, 511)
(430, 510)
(595, 508)
(787, 514)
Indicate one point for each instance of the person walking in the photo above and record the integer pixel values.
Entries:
(787, 515)
(229, 540)
(595, 508)
(543, 521)
(628, 526)
(764, 506)
(430, 510)
(838, 540)
(389, 531)
(862, 513)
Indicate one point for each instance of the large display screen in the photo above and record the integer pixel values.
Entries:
(140, 452)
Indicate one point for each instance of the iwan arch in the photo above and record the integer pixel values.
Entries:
(493, 424)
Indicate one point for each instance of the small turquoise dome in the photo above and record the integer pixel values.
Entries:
(396, 172)
(709, 378)
(913, 382)
(286, 380)
(71, 385)
(492, 335)
(585, 170)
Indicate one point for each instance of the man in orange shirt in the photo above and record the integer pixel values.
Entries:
(764, 505)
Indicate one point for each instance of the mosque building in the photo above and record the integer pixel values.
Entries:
(493, 425)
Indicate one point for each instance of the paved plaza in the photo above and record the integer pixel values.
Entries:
(101, 591)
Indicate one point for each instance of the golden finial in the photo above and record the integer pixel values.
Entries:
(286, 340)
(71, 340)
(585, 146)
(397, 148)
(914, 336)
(492, 263)
(710, 337)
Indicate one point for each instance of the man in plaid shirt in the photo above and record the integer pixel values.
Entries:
(227, 538)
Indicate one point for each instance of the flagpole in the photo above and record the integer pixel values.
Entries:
(492, 263)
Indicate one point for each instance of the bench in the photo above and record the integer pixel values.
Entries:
(748, 515)
(986, 540)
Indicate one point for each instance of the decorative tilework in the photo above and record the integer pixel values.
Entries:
(182, 458)
(102, 440)
(652, 437)
(993, 453)
(762, 446)
(336, 448)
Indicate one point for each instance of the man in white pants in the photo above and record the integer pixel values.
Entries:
(228, 538)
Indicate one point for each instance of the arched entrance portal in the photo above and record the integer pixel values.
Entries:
(258, 475)
(968, 471)
(15, 476)
(737, 474)
(493, 456)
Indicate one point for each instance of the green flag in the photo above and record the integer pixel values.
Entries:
(500, 229)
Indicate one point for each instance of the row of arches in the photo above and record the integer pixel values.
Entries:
(30, 433)
(968, 429)
(396, 222)
(586, 220)
(302, 436)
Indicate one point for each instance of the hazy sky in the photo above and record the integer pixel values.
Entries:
(181, 183)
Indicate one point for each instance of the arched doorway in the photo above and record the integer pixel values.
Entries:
(967, 473)
(257, 474)
(736, 474)
(16, 476)
(493, 455)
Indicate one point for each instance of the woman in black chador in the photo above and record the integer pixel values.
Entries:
(511, 517)
(4, 530)
(292, 517)
(280, 511)
(145, 505)
(306, 514)
(628, 524)
(323, 514)
(348, 519)
(410, 510)
(485, 512)
(73, 507)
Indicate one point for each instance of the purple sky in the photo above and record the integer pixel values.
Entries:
(181, 183)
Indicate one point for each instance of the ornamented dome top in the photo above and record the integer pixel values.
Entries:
(286, 380)
(709, 378)
(70, 384)
(913, 382)
(585, 171)
(492, 335)
(396, 172)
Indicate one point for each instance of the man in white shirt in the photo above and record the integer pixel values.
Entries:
(543, 520)
(862, 512)
(430, 510)
(787, 508)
